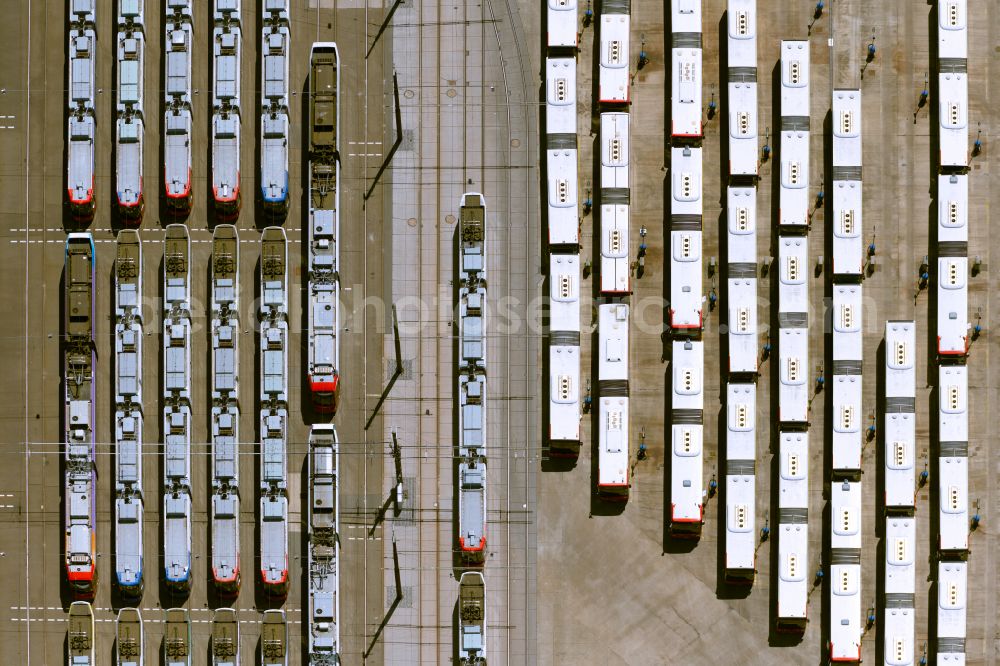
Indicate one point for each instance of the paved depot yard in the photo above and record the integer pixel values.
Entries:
(612, 589)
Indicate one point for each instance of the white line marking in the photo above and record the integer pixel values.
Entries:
(27, 308)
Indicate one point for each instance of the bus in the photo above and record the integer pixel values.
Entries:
(613, 402)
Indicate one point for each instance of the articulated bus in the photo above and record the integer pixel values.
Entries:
(686, 210)
(687, 405)
(846, 394)
(845, 571)
(741, 274)
(793, 532)
(848, 244)
(613, 402)
(741, 483)
(952, 606)
(953, 460)
(793, 192)
(564, 355)
(742, 86)
(899, 608)
(900, 414)
(953, 83)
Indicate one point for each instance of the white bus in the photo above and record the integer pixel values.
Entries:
(846, 111)
(846, 395)
(614, 150)
(952, 586)
(900, 414)
(953, 83)
(793, 202)
(685, 280)
(613, 404)
(560, 96)
(615, 276)
(741, 267)
(793, 193)
(562, 21)
(564, 354)
(614, 73)
(899, 611)
(953, 302)
(953, 37)
(613, 323)
(793, 390)
(686, 185)
(742, 87)
(953, 461)
(742, 325)
(795, 80)
(686, 82)
(845, 571)
(793, 288)
(613, 449)
(742, 37)
(741, 453)
(953, 208)
(563, 197)
(953, 111)
(685, 238)
(564, 295)
(793, 532)
(741, 218)
(848, 243)
(687, 405)
(793, 333)
(685, 67)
